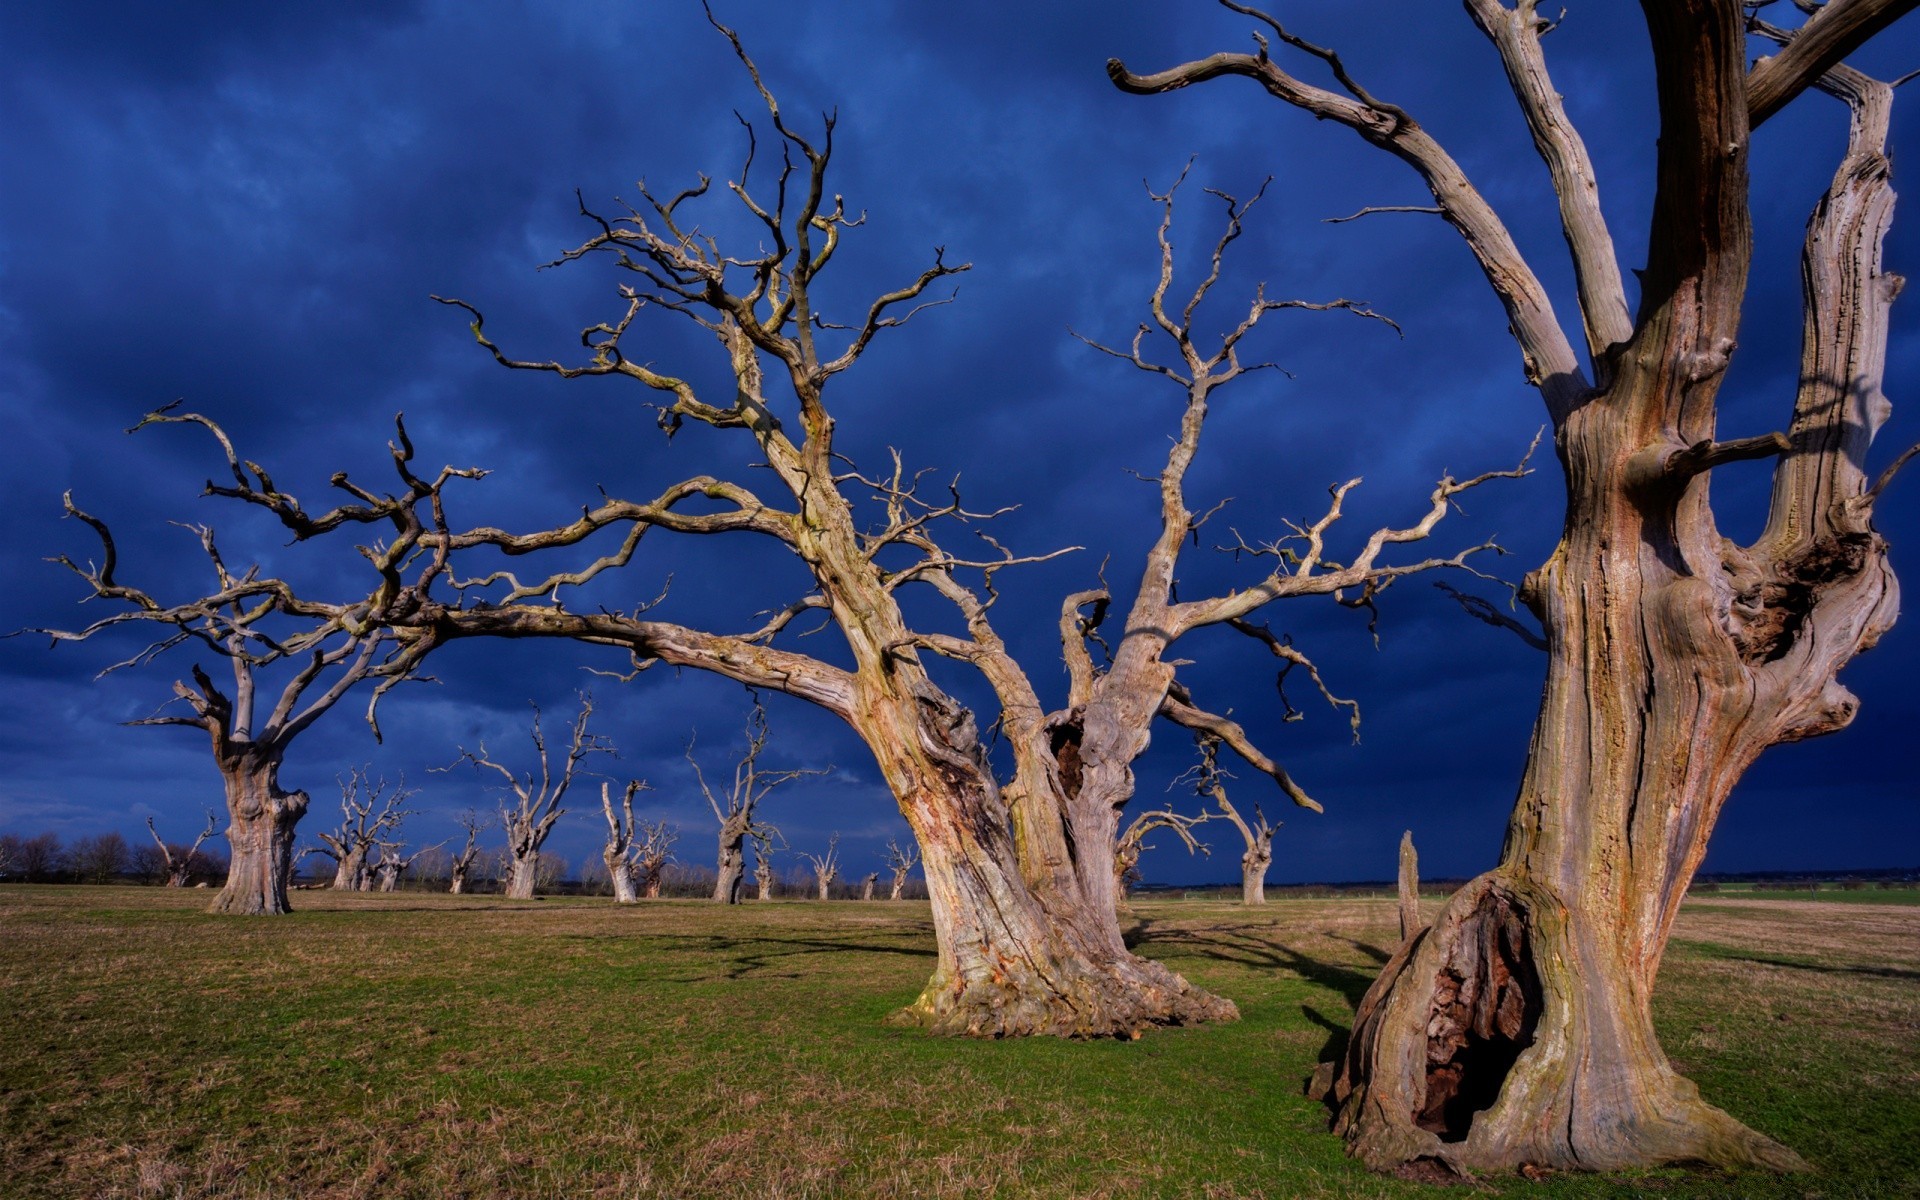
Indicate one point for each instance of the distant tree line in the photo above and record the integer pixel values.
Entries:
(104, 858)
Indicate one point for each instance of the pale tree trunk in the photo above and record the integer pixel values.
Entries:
(732, 866)
(620, 871)
(1409, 887)
(260, 834)
(1253, 870)
(866, 886)
(653, 887)
(348, 872)
(898, 887)
(457, 884)
(763, 879)
(1518, 1028)
(520, 872)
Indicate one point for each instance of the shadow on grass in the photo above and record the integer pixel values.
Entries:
(738, 962)
(1233, 944)
(1823, 968)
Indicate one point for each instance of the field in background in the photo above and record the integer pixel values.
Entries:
(429, 1046)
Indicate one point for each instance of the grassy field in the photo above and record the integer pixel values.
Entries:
(432, 1046)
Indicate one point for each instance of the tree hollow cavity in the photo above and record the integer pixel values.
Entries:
(1486, 1004)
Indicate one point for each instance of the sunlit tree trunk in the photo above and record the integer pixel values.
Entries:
(260, 833)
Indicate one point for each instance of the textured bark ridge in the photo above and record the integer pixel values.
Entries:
(1516, 1030)
(260, 835)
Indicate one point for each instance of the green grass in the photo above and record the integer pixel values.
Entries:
(432, 1046)
(1826, 894)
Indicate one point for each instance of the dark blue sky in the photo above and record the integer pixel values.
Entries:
(247, 206)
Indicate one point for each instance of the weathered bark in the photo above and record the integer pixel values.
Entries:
(866, 885)
(350, 875)
(1674, 660)
(1517, 1029)
(732, 863)
(1253, 870)
(763, 877)
(260, 834)
(620, 872)
(1409, 887)
(521, 869)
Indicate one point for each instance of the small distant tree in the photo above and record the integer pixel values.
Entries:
(763, 876)
(1258, 836)
(751, 785)
(369, 812)
(177, 863)
(866, 884)
(652, 854)
(392, 865)
(826, 867)
(900, 862)
(100, 858)
(622, 849)
(461, 868)
(535, 808)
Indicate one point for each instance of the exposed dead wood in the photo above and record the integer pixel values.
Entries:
(1515, 1031)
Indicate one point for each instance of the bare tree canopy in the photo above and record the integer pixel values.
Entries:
(1516, 1028)
(737, 810)
(530, 803)
(258, 622)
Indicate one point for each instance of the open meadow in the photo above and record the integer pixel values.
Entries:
(415, 1045)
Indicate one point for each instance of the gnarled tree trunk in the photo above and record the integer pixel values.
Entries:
(521, 869)
(763, 878)
(260, 833)
(620, 872)
(1675, 658)
(732, 863)
(1253, 870)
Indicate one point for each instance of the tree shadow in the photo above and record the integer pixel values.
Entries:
(1824, 968)
(739, 962)
(1242, 947)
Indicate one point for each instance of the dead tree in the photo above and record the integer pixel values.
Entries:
(1517, 1028)
(461, 868)
(369, 812)
(867, 883)
(1132, 843)
(900, 862)
(180, 863)
(621, 851)
(763, 861)
(1027, 935)
(826, 867)
(258, 623)
(751, 785)
(1409, 888)
(536, 805)
(1210, 781)
(652, 854)
(391, 866)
